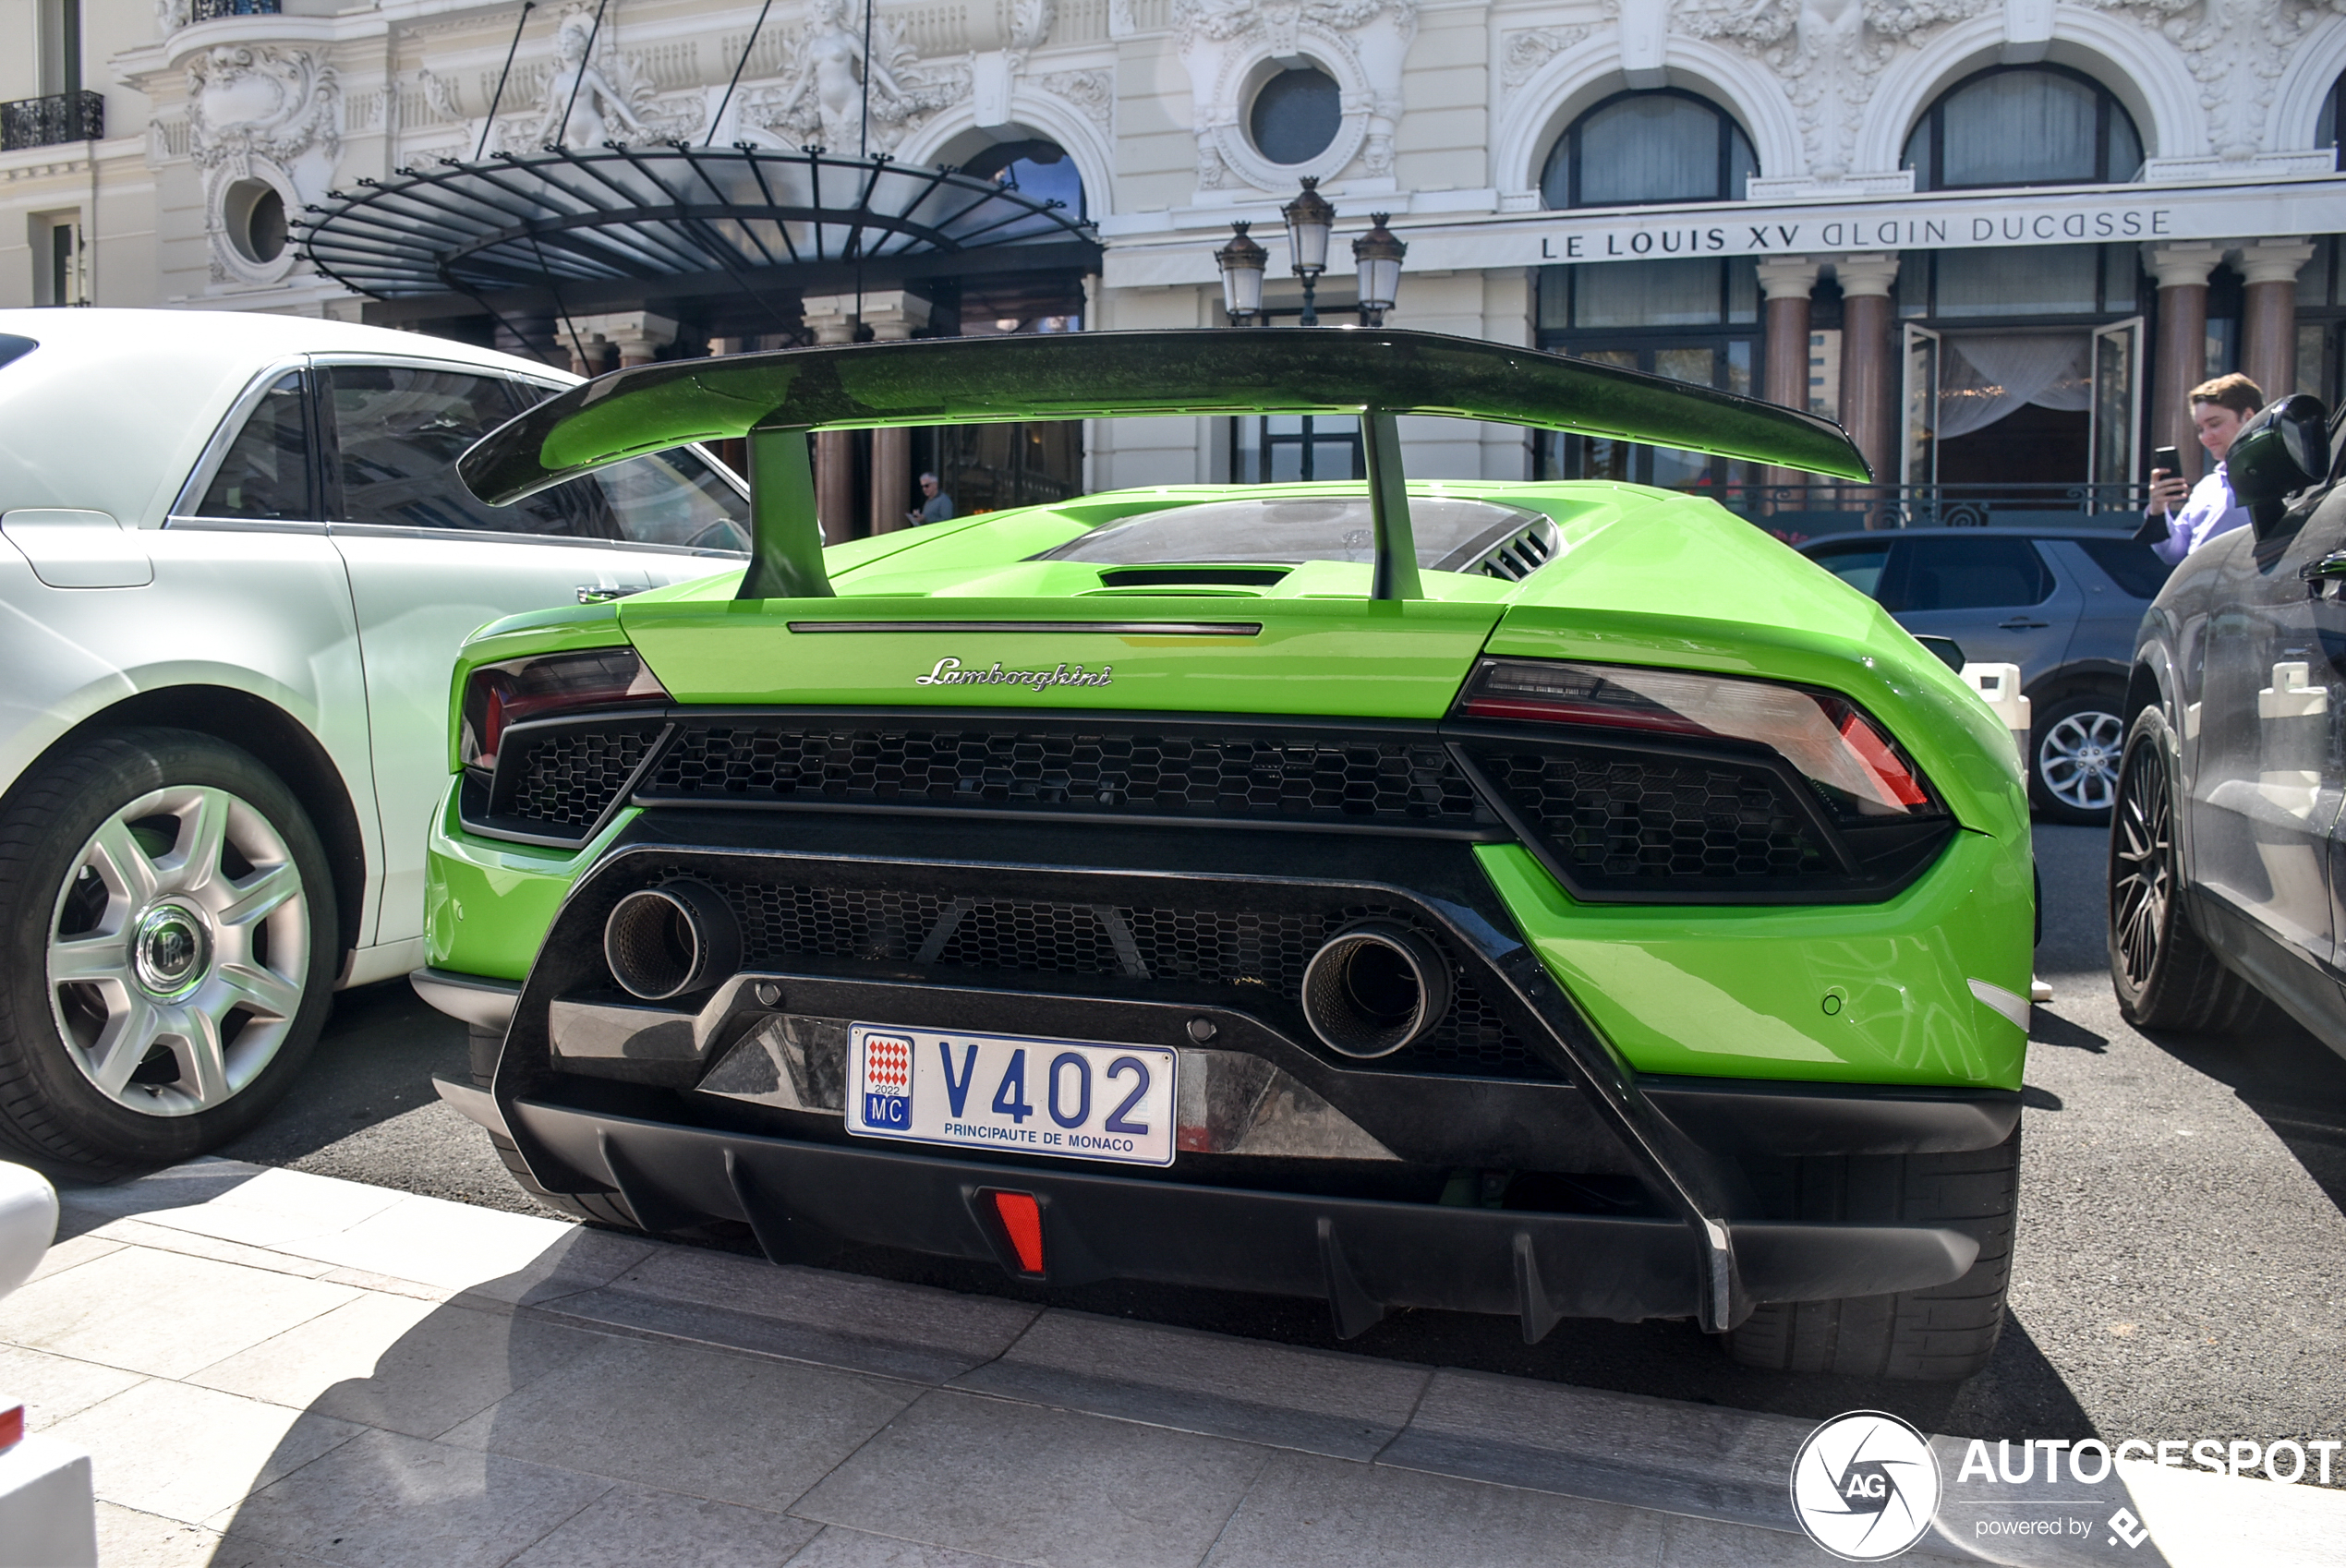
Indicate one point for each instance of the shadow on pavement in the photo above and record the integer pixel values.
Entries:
(374, 1061)
(2292, 1081)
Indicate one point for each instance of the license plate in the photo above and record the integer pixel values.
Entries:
(1062, 1097)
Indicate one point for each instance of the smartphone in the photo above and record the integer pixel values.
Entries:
(2167, 457)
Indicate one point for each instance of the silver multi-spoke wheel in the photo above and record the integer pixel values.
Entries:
(2077, 759)
(179, 951)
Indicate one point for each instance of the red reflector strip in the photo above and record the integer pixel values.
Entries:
(1022, 1217)
(11, 1426)
(1608, 716)
(1880, 761)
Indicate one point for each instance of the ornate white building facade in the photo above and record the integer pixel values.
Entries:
(1964, 227)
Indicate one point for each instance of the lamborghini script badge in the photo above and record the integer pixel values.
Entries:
(949, 672)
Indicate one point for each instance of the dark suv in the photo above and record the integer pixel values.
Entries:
(2061, 603)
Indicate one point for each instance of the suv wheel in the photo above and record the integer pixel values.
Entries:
(1941, 1334)
(2165, 976)
(2074, 752)
(168, 926)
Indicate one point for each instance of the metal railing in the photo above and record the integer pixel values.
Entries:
(45, 122)
(1805, 511)
(206, 10)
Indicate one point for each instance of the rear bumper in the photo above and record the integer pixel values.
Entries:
(1362, 1257)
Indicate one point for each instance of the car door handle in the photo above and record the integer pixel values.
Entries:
(2021, 623)
(597, 593)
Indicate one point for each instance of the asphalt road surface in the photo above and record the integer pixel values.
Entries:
(2179, 1251)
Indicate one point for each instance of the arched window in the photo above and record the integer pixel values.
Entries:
(2021, 125)
(1640, 148)
(2326, 128)
(1038, 169)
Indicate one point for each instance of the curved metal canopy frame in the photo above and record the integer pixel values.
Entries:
(541, 219)
(774, 399)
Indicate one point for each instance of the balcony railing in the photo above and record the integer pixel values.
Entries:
(206, 10)
(45, 122)
(1795, 513)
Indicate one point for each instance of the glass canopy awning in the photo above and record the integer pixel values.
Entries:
(568, 221)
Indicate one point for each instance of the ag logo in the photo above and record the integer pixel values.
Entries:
(1865, 1486)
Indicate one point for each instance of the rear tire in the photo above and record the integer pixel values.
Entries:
(167, 950)
(1942, 1334)
(2166, 977)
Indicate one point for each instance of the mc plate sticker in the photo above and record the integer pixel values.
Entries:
(1062, 1097)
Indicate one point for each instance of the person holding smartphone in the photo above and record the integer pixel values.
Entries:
(2219, 408)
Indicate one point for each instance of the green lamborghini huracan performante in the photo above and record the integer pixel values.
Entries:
(1544, 899)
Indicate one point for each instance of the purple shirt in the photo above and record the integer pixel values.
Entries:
(2208, 512)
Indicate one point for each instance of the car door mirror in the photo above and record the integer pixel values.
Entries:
(2282, 451)
(1946, 650)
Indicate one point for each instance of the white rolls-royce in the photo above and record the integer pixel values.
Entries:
(235, 567)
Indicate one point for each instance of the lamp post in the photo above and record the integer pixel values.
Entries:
(1377, 256)
(1309, 219)
(1241, 261)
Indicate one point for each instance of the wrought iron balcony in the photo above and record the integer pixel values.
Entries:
(45, 122)
(1795, 513)
(206, 10)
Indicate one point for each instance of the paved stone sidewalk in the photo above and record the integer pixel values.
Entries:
(273, 1368)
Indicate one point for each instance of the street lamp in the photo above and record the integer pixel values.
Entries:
(1241, 261)
(1309, 219)
(1377, 255)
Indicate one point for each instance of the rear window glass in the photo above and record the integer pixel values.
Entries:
(15, 348)
(1452, 532)
(1974, 573)
(2133, 566)
(1860, 566)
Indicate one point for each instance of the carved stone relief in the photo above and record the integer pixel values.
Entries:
(596, 93)
(1092, 91)
(1525, 51)
(821, 102)
(259, 115)
(1228, 46)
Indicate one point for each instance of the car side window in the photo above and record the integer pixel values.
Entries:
(1955, 572)
(665, 498)
(266, 473)
(2133, 566)
(1860, 566)
(398, 431)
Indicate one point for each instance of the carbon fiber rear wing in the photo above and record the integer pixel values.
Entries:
(775, 399)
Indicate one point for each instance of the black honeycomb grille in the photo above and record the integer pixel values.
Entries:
(1244, 954)
(1619, 822)
(561, 783)
(1144, 773)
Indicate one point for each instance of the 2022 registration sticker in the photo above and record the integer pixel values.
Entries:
(1068, 1098)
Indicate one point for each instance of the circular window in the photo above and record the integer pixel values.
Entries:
(1295, 116)
(256, 216)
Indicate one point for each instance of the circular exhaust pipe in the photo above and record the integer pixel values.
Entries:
(668, 941)
(1375, 987)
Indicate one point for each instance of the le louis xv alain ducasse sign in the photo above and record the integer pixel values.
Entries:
(2123, 215)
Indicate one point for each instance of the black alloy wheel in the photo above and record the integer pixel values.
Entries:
(2165, 974)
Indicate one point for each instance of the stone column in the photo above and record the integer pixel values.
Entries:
(639, 335)
(1870, 379)
(2268, 334)
(1784, 282)
(2181, 359)
(892, 316)
(831, 318)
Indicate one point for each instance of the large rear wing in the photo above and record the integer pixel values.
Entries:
(775, 399)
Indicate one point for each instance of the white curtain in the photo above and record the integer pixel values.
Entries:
(1986, 376)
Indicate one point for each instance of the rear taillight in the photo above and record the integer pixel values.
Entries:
(1826, 738)
(497, 696)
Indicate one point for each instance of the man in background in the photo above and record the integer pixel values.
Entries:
(936, 508)
(2219, 408)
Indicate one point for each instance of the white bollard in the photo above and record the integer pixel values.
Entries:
(1999, 686)
(48, 1518)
